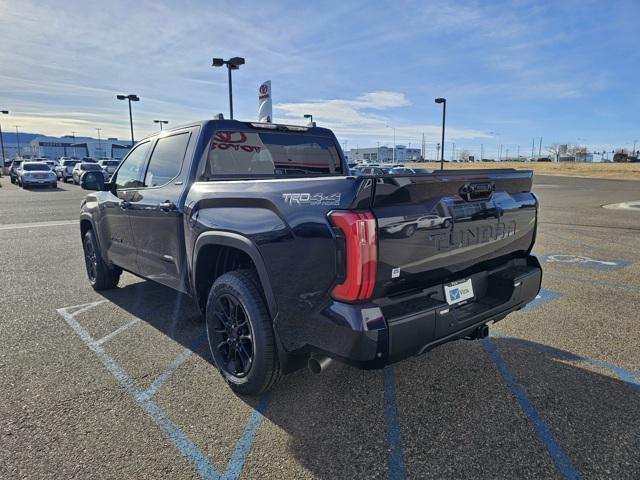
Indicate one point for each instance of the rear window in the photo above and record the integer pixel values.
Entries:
(257, 153)
(90, 166)
(35, 167)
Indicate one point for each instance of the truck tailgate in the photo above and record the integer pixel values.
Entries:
(434, 228)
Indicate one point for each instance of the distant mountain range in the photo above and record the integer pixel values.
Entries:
(11, 137)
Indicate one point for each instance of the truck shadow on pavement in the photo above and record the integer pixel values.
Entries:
(457, 412)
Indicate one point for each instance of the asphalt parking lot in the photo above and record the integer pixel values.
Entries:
(120, 384)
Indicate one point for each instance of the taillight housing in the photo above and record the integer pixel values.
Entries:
(360, 254)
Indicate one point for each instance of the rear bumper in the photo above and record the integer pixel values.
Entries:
(390, 330)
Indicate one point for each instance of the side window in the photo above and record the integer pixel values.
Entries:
(166, 160)
(130, 171)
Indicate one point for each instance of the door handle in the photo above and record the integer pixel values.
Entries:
(124, 204)
(167, 206)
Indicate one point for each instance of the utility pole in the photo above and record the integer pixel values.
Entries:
(533, 148)
(518, 152)
(438, 152)
(506, 155)
(453, 151)
(481, 151)
(500, 153)
(540, 148)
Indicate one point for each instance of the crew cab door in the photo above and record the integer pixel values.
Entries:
(114, 226)
(156, 209)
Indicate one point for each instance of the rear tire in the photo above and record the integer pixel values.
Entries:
(54, 185)
(101, 276)
(240, 334)
(64, 179)
(446, 223)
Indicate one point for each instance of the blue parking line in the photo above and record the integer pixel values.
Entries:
(556, 452)
(543, 297)
(243, 447)
(630, 377)
(396, 462)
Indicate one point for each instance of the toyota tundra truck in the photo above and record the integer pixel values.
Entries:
(294, 262)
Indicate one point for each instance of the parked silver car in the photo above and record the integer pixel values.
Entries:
(80, 168)
(109, 166)
(64, 171)
(31, 174)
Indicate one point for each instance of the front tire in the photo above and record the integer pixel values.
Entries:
(240, 334)
(409, 230)
(101, 276)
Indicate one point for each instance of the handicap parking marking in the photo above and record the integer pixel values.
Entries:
(144, 399)
(543, 297)
(582, 261)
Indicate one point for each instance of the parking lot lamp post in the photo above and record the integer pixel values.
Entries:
(131, 98)
(443, 101)
(99, 141)
(3, 112)
(161, 122)
(394, 144)
(232, 64)
(17, 140)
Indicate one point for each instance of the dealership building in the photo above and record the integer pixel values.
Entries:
(385, 154)
(80, 147)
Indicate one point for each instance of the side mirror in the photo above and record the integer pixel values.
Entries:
(92, 181)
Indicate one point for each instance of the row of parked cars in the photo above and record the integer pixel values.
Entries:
(47, 173)
(383, 169)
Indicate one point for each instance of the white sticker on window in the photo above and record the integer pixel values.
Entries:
(395, 273)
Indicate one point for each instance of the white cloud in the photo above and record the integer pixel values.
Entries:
(353, 119)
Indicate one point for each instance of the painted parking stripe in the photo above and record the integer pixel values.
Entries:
(143, 398)
(556, 452)
(630, 377)
(243, 447)
(15, 226)
(117, 331)
(543, 297)
(396, 461)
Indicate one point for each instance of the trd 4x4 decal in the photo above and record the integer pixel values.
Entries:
(304, 198)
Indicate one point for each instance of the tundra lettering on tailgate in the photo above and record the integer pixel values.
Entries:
(471, 236)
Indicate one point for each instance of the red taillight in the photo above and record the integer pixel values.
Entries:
(361, 255)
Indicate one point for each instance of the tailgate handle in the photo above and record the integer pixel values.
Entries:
(476, 191)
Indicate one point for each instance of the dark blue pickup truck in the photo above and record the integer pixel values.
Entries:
(294, 262)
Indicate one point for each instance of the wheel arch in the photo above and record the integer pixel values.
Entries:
(214, 243)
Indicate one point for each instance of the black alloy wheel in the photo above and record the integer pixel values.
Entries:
(232, 336)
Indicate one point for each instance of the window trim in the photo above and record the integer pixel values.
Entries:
(144, 162)
(188, 132)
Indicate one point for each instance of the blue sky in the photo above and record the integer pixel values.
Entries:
(568, 71)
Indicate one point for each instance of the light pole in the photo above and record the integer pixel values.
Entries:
(310, 117)
(73, 134)
(232, 64)
(132, 98)
(633, 152)
(18, 140)
(393, 155)
(443, 101)
(161, 122)
(3, 112)
(99, 142)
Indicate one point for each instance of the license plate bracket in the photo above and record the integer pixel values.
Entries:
(458, 292)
